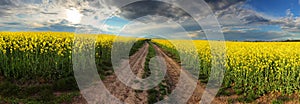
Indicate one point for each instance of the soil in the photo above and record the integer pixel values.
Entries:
(173, 72)
(287, 99)
(120, 90)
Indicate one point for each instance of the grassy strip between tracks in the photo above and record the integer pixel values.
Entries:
(161, 90)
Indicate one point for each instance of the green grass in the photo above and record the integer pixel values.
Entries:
(38, 94)
(157, 93)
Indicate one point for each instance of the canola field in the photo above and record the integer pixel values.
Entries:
(252, 68)
(36, 65)
(44, 56)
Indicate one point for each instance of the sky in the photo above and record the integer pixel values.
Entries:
(245, 20)
(276, 8)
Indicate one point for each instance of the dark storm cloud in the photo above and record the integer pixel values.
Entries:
(255, 35)
(56, 27)
(222, 4)
(143, 8)
(235, 14)
(19, 3)
(158, 8)
(11, 23)
(49, 13)
(6, 3)
(11, 7)
(61, 26)
(3, 12)
(255, 19)
(228, 12)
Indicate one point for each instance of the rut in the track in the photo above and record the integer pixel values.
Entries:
(173, 74)
(116, 88)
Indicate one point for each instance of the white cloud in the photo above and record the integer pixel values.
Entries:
(289, 23)
(193, 35)
(73, 15)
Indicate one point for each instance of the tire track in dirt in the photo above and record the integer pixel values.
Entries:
(173, 74)
(117, 88)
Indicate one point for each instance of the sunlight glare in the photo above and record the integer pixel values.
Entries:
(73, 15)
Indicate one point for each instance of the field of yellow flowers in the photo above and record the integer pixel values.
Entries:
(252, 68)
(45, 55)
(34, 65)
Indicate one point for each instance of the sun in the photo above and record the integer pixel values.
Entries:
(73, 15)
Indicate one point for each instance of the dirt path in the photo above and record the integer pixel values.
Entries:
(130, 96)
(173, 74)
(117, 88)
